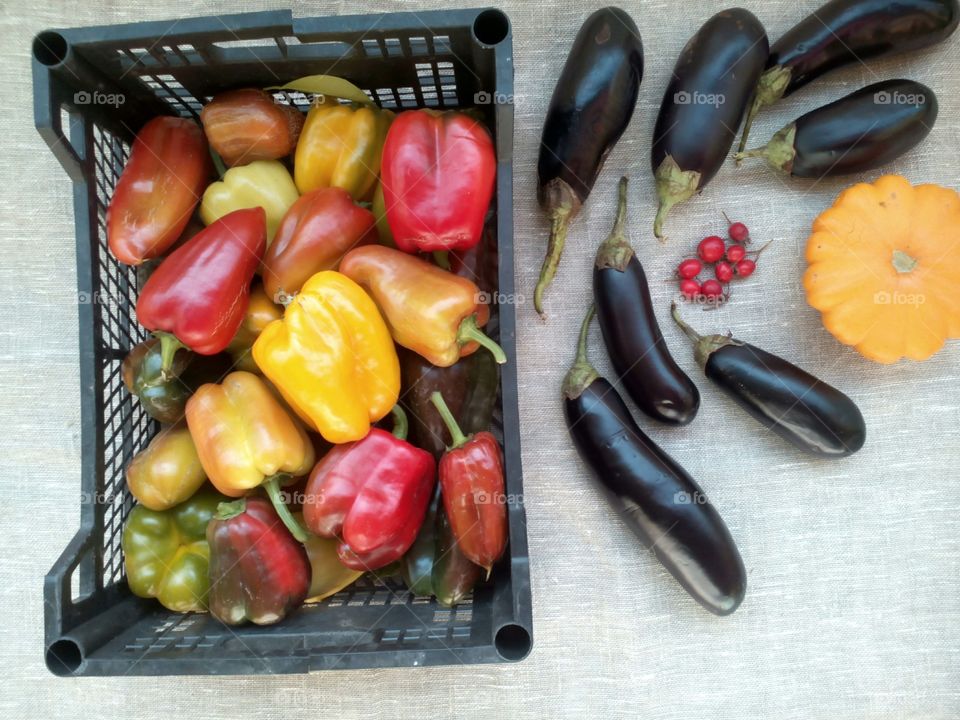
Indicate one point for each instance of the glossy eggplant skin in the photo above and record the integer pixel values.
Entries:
(800, 408)
(591, 106)
(636, 346)
(712, 83)
(657, 498)
(843, 32)
(864, 130)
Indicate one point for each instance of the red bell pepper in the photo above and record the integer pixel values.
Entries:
(159, 188)
(437, 174)
(316, 232)
(198, 296)
(372, 495)
(473, 491)
(258, 571)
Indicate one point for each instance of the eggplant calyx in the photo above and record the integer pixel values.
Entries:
(770, 88)
(703, 345)
(779, 152)
(902, 262)
(674, 185)
(559, 199)
(615, 252)
(581, 374)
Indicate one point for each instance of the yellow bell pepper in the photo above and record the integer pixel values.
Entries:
(332, 358)
(246, 438)
(340, 146)
(262, 183)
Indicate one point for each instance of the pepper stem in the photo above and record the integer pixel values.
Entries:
(227, 510)
(456, 434)
(400, 424)
(581, 373)
(272, 486)
(559, 218)
(470, 332)
(169, 345)
(442, 259)
(218, 163)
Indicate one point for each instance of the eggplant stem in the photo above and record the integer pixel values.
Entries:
(560, 218)
(615, 252)
(272, 486)
(755, 106)
(687, 330)
(400, 424)
(581, 373)
(470, 332)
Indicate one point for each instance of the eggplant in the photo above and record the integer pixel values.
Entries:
(705, 100)
(591, 107)
(630, 331)
(797, 406)
(653, 494)
(861, 131)
(844, 32)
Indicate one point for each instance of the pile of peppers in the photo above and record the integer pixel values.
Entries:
(314, 287)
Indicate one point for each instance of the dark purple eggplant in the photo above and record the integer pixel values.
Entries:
(862, 131)
(800, 408)
(656, 497)
(591, 107)
(844, 32)
(705, 100)
(631, 333)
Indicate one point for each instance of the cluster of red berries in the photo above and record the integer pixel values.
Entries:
(729, 261)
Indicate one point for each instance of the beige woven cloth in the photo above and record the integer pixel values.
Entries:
(853, 607)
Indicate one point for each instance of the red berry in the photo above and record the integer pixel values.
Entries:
(736, 253)
(711, 248)
(712, 289)
(689, 268)
(746, 267)
(689, 288)
(723, 271)
(738, 232)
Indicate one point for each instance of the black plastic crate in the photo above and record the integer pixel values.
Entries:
(442, 59)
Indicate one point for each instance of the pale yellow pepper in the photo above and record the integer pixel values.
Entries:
(262, 183)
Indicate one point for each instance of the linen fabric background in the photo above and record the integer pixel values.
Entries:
(853, 605)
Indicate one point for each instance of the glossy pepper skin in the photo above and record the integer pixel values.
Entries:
(265, 184)
(416, 567)
(158, 190)
(341, 146)
(248, 124)
(317, 231)
(332, 359)
(198, 296)
(650, 491)
(429, 310)
(372, 495)
(245, 438)
(328, 575)
(438, 174)
(259, 573)
(473, 491)
(166, 553)
(261, 311)
(166, 472)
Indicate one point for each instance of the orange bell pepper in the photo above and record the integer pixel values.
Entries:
(261, 311)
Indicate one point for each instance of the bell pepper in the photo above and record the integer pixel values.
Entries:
(438, 174)
(331, 357)
(166, 554)
(247, 125)
(340, 146)
(328, 575)
(454, 576)
(473, 489)
(258, 571)
(167, 471)
(198, 296)
(430, 311)
(261, 311)
(158, 190)
(164, 398)
(263, 183)
(246, 439)
(314, 235)
(372, 495)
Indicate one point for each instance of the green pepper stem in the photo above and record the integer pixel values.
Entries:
(218, 163)
(272, 486)
(456, 434)
(400, 425)
(227, 510)
(470, 332)
(442, 259)
(559, 221)
(169, 345)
